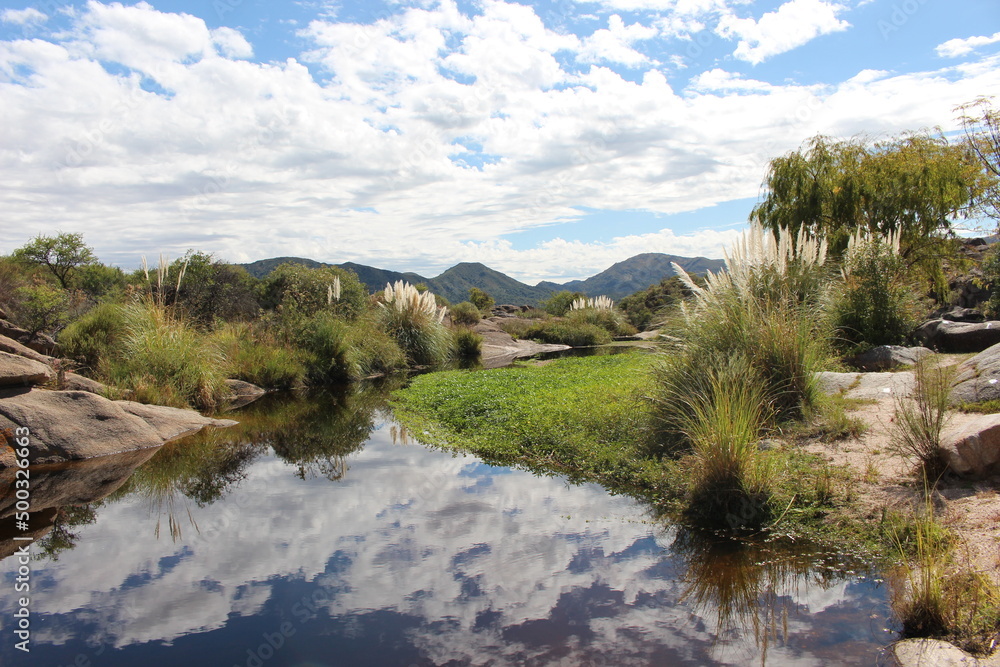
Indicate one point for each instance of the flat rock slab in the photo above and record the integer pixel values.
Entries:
(500, 348)
(936, 653)
(888, 357)
(978, 378)
(18, 371)
(74, 382)
(8, 344)
(873, 386)
(172, 423)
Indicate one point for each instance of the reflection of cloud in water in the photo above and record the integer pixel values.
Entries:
(512, 566)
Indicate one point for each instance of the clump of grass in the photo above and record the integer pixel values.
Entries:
(254, 355)
(920, 421)
(163, 360)
(558, 332)
(372, 350)
(612, 321)
(413, 319)
(936, 595)
(465, 313)
(467, 343)
(730, 483)
(828, 421)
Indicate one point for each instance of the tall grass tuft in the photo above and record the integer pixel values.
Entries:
(921, 419)
(467, 344)
(413, 319)
(253, 354)
(163, 360)
(749, 343)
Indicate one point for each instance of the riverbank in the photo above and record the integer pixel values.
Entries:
(587, 419)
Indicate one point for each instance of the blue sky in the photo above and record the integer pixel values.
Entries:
(547, 139)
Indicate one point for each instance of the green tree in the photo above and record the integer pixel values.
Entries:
(303, 291)
(213, 289)
(42, 308)
(60, 254)
(914, 184)
(480, 299)
(981, 123)
(559, 303)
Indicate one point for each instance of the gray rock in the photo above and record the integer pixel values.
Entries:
(19, 371)
(872, 386)
(11, 346)
(978, 378)
(172, 423)
(945, 336)
(972, 448)
(74, 425)
(38, 342)
(934, 653)
(959, 314)
(888, 357)
(74, 382)
(242, 393)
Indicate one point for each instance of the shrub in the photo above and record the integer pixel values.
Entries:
(919, 421)
(558, 332)
(872, 305)
(480, 299)
(324, 339)
(560, 302)
(465, 313)
(612, 321)
(372, 350)
(254, 355)
(161, 359)
(41, 308)
(413, 319)
(96, 336)
(303, 292)
(467, 343)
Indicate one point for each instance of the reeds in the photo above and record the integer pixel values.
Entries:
(414, 320)
(921, 419)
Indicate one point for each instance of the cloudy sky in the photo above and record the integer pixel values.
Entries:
(548, 139)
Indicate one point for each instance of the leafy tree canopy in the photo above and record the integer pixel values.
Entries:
(981, 123)
(916, 185)
(60, 254)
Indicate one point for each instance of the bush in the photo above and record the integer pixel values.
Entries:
(558, 332)
(41, 308)
(465, 313)
(467, 344)
(480, 299)
(372, 350)
(612, 321)
(254, 355)
(643, 309)
(161, 359)
(560, 302)
(96, 336)
(872, 305)
(324, 339)
(413, 320)
(303, 292)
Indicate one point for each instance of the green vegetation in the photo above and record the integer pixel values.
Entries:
(480, 299)
(920, 421)
(653, 304)
(61, 255)
(465, 314)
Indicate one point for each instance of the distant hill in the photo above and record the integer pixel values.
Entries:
(262, 267)
(636, 273)
(620, 280)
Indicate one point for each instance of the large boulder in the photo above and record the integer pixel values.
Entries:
(888, 357)
(8, 344)
(946, 336)
(74, 382)
(38, 342)
(978, 378)
(972, 448)
(867, 386)
(73, 425)
(20, 371)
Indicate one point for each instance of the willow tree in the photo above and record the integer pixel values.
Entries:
(981, 123)
(914, 185)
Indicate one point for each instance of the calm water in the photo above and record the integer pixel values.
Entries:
(318, 533)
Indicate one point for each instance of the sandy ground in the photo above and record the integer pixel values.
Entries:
(884, 479)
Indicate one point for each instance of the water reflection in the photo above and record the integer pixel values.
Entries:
(413, 556)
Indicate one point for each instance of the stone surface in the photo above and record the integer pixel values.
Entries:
(888, 357)
(71, 425)
(172, 423)
(978, 378)
(17, 371)
(74, 382)
(877, 386)
(74, 425)
(242, 393)
(500, 349)
(972, 448)
(935, 653)
(959, 314)
(945, 336)
(39, 342)
(8, 344)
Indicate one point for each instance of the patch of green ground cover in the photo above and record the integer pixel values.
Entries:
(582, 417)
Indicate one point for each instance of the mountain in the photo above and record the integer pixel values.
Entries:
(262, 267)
(635, 273)
(620, 280)
(455, 283)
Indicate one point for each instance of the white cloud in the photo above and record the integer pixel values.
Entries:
(954, 48)
(793, 24)
(370, 161)
(614, 44)
(23, 16)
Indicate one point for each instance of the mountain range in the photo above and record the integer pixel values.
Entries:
(617, 281)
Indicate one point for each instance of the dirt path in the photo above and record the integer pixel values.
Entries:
(885, 479)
